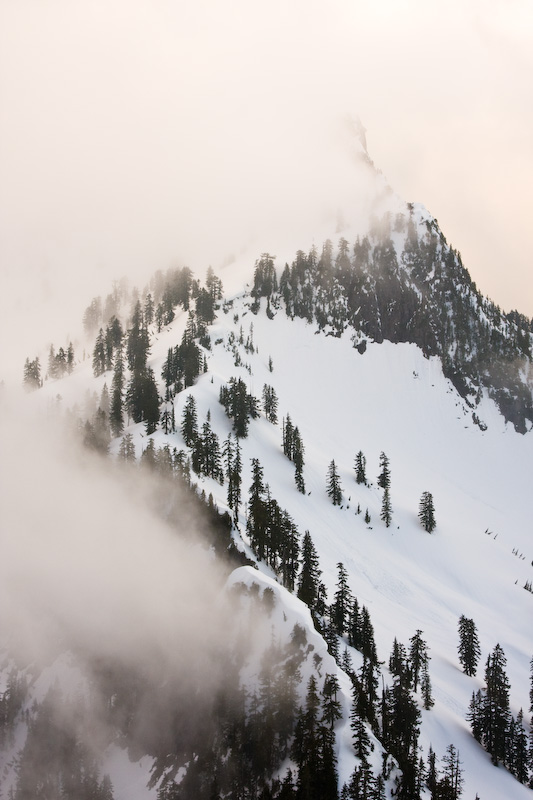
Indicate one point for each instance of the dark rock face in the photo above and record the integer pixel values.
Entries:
(404, 283)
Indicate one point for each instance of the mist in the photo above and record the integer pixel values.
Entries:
(138, 136)
(88, 566)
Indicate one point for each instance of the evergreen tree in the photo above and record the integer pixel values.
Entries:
(298, 458)
(531, 686)
(431, 773)
(309, 578)
(449, 786)
(331, 706)
(126, 450)
(32, 374)
(418, 658)
(386, 508)
(138, 342)
(99, 355)
(116, 419)
(288, 443)
(333, 485)
(148, 310)
(342, 603)
(70, 358)
(384, 475)
(398, 663)
(270, 404)
(52, 363)
(495, 714)
(142, 399)
(239, 405)
(189, 423)
(425, 686)
(469, 649)
(426, 512)
(518, 757)
(257, 522)
(360, 468)
(354, 626)
(360, 737)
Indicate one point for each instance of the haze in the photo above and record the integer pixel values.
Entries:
(136, 135)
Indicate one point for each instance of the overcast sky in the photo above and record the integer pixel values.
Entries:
(136, 134)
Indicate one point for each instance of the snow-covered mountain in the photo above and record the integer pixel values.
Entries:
(379, 346)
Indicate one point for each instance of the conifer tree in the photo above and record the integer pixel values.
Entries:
(70, 358)
(418, 658)
(469, 649)
(354, 626)
(333, 485)
(384, 475)
(449, 786)
(126, 450)
(518, 756)
(309, 579)
(331, 707)
(386, 508)
(270, 404)
(426, 512)
(257, 522)
(32, 374)
(298, 458)
(116, 419)
(425, 686)
(52, 364)
(360, 468)
(495, 714)
(99, 355)
(189, 423)
(342, 603)
(288, 429)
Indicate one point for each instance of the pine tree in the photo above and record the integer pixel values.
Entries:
(288, 429)
(298, 458)
(70, 358)
(386, 508)
(425, 687)
(426, 512)
(331, 706)
(32, 374)
(309, 579)
(469, 649)
(518, 746)
(384, 475)
(333, 485)
(126, 450)
(116, 419)
(418, 658)
(360, 468)
(495, 714)
(257, 522)
(360, 737)
(342, 603)
(150, 401)
(52, 364)
(99, 355)
(449, 787)
(270, 404)
(189, 424)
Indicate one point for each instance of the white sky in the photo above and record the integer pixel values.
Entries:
(135, 134)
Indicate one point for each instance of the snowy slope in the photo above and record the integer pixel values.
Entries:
(389, 399)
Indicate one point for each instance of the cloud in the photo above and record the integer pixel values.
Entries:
(87, 565)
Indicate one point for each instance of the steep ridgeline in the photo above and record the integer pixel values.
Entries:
(402, 282)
